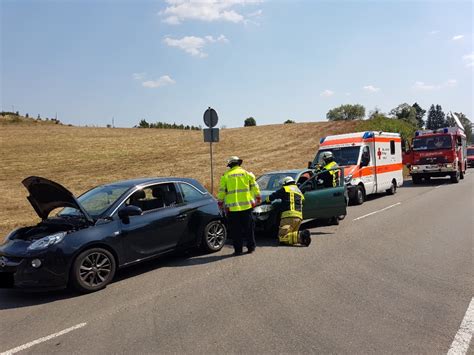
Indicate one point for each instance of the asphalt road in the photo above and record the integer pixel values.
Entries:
(396, 281)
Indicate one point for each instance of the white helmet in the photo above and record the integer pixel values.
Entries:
(234, 160)
(288, 180)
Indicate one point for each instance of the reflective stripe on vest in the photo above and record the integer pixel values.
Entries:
(333, 173)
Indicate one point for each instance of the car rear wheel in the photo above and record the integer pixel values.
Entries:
(92, 270)
(215, 235)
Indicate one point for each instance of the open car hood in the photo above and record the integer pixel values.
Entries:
(47, 195)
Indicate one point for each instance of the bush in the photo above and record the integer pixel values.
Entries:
(385, 124)
(250, 122)
(289, 121)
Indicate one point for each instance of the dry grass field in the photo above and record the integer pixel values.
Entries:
(81, 158)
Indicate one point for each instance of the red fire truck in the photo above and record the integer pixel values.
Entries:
(437, 153)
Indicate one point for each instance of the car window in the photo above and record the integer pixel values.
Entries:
(190, 194)
(154, 197)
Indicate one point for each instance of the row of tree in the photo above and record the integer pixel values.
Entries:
(144, 124)
(412, 114)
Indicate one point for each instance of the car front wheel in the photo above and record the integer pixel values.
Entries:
(92, 270)
(215, 235)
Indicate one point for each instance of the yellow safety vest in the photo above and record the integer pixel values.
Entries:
(238, 189)
(296, 202)
(334, 173)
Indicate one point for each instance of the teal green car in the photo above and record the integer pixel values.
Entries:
(322, 203)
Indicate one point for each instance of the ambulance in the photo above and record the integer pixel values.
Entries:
(372, 162)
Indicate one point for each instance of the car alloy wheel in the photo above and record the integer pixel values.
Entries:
(215, 235)
(93, 269)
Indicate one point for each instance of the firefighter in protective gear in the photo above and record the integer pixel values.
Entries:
(292, 213)
(328, 172)
(238, 195)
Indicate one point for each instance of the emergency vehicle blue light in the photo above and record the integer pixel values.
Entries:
(417, 134)
(322, 140)
(368, 135)
(445, 130)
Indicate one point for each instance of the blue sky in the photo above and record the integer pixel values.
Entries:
(89, 61)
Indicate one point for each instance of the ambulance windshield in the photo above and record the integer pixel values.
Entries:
(343, 156)
(432, 142)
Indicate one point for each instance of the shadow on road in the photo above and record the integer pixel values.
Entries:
(11, 298)
(430, 183)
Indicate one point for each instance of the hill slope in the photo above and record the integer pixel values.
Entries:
(81, 158)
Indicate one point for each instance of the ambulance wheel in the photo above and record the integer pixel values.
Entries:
(393, 189)
(359, 196)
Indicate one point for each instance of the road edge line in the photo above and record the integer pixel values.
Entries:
(463, 337)
(42, 340)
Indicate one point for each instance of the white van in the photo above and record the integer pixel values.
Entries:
(372, 162)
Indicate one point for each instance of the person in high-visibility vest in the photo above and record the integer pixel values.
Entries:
(238, 195)
(329, 172)
(291, 213)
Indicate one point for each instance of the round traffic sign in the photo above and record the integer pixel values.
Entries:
(210, 117)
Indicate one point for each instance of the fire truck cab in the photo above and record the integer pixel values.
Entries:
(437, 153)
(372, 162)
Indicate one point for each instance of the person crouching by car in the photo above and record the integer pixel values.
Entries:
(292, 214)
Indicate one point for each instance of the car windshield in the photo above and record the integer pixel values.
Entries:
(343, 156)
(273, 181)
(432, 143)
(96, 201)
(470, 151)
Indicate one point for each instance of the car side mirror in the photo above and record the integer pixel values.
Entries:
(128, 211)
(364, 162)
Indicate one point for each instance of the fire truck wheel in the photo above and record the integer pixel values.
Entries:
(461, 174)
(393, 189)
(416, 180)
(455, 177)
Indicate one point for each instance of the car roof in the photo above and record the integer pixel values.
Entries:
(289, 171)
(146, 181)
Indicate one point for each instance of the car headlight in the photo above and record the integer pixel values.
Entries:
(449, 165)
(262, 209)
(414, 168)
(348, 178)
(47, 241)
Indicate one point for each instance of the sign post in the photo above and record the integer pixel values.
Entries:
(211, 135)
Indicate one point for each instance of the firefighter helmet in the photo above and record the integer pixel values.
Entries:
(327, 157)
(288, 180)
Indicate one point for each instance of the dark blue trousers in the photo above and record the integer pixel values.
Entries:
(241, 227)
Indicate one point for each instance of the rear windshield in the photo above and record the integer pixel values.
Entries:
(432, 143)
(470, 151)
(273, 182)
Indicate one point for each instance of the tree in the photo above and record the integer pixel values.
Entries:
(405, 112)
(450, 122)
(420, 113)
(289, 121)
(466, 122)
(377, 114)
(250, 122)
(143, 124)
(346, 113)
(436, 118)
(27, 116)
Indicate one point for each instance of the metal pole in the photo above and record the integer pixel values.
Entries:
(212, 172)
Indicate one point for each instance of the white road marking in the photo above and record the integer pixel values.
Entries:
(372, 213)
(463, 337)
(42, 340)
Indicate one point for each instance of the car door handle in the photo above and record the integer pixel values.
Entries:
(336, 194)
(181, 216)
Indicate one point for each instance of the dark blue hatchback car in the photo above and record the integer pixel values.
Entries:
(106, 228)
